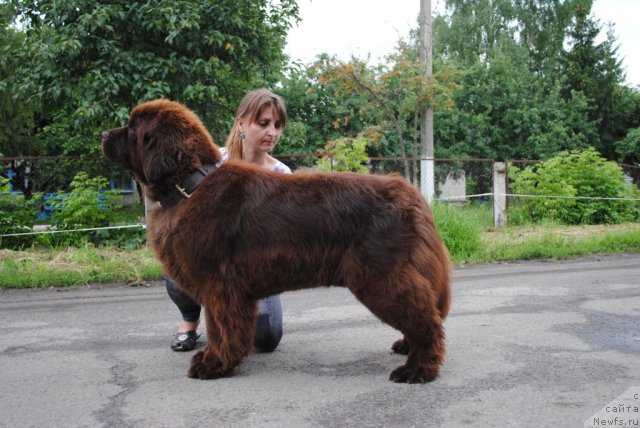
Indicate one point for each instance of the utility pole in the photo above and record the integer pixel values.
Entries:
(427, 175)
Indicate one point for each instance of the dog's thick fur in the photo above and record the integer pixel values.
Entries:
(247, 233)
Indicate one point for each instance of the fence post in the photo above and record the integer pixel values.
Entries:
(427, 179)
(499, 194)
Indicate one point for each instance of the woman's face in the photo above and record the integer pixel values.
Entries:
(264, 133)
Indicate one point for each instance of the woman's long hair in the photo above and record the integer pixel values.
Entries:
(249, 111)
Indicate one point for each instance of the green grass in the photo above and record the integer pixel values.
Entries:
(559, 242)
(467, 232)
(470, 237)
(462, 229)
(75, 266)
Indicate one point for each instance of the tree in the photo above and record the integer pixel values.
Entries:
(504, 111)
(541, 29)
(471, 30)
(628, 148)
(93, 60)
(523, 95)
(386, 101)
(313, 100)
(593, 69)
(16, 112)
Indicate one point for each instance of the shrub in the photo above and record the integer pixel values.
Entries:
(573, 188)
(346, 154)
(86, 205)
(17, 215)
(90, 204)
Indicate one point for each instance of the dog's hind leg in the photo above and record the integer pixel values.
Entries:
(443, 303)
(406, 301)
(230, 321)
(401, 346)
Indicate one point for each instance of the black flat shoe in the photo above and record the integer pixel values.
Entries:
(185, 341)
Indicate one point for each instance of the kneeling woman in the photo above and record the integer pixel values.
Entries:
(259, 122)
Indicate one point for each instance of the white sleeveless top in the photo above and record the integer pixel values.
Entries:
(278, 167)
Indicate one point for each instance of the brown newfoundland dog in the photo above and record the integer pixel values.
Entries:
(233, 234)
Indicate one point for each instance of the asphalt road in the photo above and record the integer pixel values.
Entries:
(535, 344)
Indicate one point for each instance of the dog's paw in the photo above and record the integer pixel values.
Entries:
(400, 346)
(209, 368)
(417, 374)
(196, 363)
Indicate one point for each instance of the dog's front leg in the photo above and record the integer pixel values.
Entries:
(230, 329)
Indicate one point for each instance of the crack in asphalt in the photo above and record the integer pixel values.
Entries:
(112, 413)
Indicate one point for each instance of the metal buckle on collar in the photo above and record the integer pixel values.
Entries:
(183, 191)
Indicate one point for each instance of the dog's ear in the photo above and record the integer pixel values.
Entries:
(160, 159)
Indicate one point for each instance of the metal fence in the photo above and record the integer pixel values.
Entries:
(49, 174)
(457, 181)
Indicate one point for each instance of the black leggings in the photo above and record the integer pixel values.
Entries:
(268, 326)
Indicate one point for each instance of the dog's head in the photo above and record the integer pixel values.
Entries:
(162, 143)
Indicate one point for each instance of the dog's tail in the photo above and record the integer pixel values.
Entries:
(431, 257)
(444, 301)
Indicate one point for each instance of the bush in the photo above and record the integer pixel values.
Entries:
(17, 215)
(90, 204)
(345, 154)
(86, 205)
(561, 189)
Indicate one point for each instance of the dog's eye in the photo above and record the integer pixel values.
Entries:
(131, 136)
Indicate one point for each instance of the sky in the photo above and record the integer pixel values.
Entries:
(371, 28)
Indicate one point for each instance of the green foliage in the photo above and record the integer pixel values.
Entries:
(503, 111)
(313, 105)
(523, 94)
(293, 139)
(16, 112)
(17, 215)
(473, 32)
(507, 82)
(292, 147)
(345, 154)
(88, 62)
(316, 98)
(338, 99)
(592, 69)
(628, 148)
(90, 205)
(557, 185)
(497, 89)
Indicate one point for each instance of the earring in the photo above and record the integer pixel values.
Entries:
(242, 136)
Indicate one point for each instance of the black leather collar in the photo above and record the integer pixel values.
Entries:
(187, 186)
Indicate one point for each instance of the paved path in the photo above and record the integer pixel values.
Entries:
(536, 344)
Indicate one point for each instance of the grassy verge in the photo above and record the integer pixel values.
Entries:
(466, 237)
(469, 234)
(559, 242)
(76, 266)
